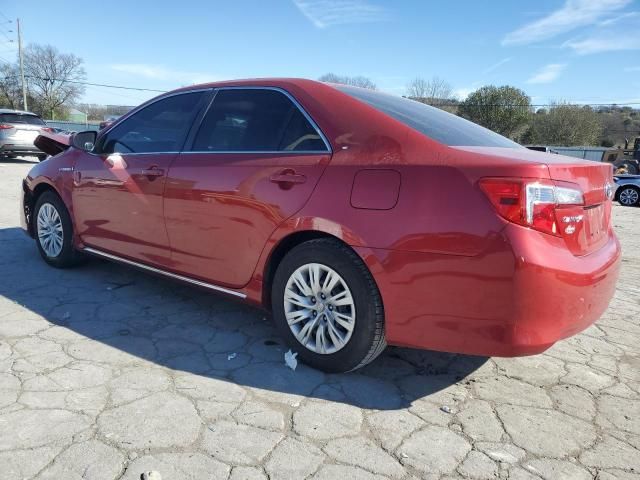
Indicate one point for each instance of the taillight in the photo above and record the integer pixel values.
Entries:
(531, 203)
(4, 126)
(47, 129)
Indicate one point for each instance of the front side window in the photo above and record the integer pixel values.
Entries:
(437, 124)
(256, 120)
(159, 127)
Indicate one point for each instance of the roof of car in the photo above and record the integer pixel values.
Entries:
(263, 82)
(19, 112)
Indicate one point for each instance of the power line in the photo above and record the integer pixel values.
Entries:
(439, 105)
(96, 84)
(137, 97)
(9, 39)
(140, 89)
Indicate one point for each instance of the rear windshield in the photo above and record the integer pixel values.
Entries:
(20, 118)
(437, 124)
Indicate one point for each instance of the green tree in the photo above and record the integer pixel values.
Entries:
(505, 110)
(567, 125)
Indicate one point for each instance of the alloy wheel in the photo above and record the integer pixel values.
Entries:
(628, 196)
(319, 308)
(50, 232)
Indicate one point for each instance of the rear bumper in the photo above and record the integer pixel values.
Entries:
(523, 294)
(557, 294)
(8, 149)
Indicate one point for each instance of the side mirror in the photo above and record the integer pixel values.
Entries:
(85, 140)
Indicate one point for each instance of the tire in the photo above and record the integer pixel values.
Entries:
(51, 214)
(628, 196)
(358, 298)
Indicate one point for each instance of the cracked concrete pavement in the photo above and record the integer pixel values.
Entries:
(106, 372)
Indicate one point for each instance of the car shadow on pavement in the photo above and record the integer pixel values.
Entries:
(112, 314)
(18, 160)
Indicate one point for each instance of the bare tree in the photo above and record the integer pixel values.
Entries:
(102, 112)
(53, 77)
(358, 81)
(436, 91)
(10, 89)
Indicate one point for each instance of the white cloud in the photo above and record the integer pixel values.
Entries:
(573, 14)
(326, 13)
(497, 65)
(159, 72)
(602, 43)
(462, 93)
(619, 18)
(548, 73)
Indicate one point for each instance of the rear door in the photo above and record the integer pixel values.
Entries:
(253, 162)
(118, 188)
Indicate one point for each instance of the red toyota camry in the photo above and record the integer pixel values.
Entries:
(359, 219)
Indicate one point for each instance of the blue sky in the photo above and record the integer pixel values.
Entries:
(575, 50)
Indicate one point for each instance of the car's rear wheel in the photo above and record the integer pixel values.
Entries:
(327, 306)
(629, 196)
(54, 231)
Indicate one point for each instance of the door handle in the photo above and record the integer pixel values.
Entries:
(288, 177)
(152, 172)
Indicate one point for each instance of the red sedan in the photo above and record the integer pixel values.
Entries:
(358, 218)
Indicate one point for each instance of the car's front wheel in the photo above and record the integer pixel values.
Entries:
(54, 231)
(628, 196)
(327, 306)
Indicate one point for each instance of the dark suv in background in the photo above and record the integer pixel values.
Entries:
(18, 130)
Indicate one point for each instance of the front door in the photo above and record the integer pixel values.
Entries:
(118, 188)
(253, 163)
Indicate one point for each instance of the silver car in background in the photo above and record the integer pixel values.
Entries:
(18, 130)
(628, 189)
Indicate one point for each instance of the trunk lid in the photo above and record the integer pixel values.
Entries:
(23, 133)
(585, 228)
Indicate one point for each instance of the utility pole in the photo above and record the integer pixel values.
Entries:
(24, 86)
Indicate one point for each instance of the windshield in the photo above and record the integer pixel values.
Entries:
(20, 118)
(436, 124)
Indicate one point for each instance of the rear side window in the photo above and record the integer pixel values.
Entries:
(159, 127)
(437, 124)
(256, 120)
(20, 118)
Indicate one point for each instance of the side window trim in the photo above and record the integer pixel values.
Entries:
(196, 120)
(197, 124)
(194, 131)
